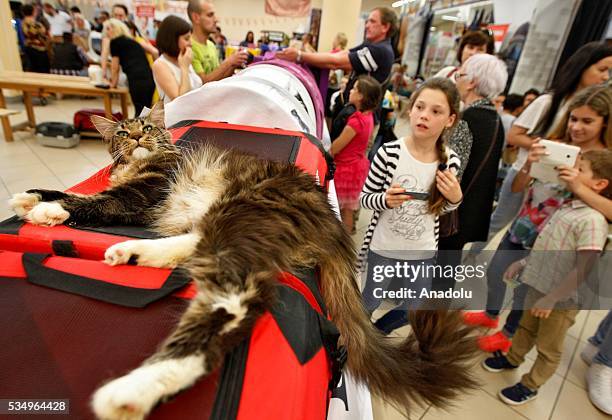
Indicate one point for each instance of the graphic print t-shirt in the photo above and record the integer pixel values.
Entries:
(410, 227)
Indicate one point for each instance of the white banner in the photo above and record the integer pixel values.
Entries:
(412, 46)
(549, 28)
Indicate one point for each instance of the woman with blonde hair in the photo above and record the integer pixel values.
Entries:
(129, 55)
(339, 43)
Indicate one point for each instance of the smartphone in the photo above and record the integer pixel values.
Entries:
(558, 154)
(417, 195)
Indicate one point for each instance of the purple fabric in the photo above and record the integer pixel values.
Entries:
(305, 76)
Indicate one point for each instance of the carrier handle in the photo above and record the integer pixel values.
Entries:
(132, 297)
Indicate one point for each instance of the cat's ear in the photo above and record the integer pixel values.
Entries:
(104, 125)
(156, 116)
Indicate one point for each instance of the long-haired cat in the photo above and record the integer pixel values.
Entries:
(236, 222)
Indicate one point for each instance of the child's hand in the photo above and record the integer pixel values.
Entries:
(514, 269)
(543, 307)
(449, 187)
(395, 196)
(570, 176)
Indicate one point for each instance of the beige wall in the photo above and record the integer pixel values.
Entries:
(236, 17)
(339, 16)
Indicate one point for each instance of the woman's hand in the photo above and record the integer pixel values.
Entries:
(185, 57)
(536, 151)
(449, 187)
(395, 196)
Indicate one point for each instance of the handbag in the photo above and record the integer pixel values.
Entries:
(449, 222)
(510, 154)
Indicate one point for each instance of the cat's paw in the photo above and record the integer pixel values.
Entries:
(23, 203)
(129, 397)
(148, 253)
(47, 214)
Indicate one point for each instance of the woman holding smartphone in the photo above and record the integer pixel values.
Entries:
(588, 66)
(585, 124)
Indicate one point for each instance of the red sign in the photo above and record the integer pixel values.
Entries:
(499, 31)
(145, 10)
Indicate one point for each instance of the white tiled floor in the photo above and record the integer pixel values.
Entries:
(24, 164)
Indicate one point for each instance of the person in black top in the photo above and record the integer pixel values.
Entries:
(481, 78)
(68, 58)
(374, 57)
(128, 54)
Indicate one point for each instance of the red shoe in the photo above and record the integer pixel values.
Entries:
(494, 342)
(479, 319)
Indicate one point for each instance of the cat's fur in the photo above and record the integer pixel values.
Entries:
(237, 222)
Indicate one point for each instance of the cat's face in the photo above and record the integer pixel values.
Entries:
(136, 138)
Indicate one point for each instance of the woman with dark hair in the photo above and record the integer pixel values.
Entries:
(471, 43)
(129, 55)
(588, 66)
(249, 40)
(173, 72)
(36, 41)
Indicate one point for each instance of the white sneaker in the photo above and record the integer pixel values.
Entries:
(599, 384)
(589, 352)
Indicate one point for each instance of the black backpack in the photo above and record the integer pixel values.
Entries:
(339, 121)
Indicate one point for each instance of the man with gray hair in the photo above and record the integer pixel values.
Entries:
(374, 57)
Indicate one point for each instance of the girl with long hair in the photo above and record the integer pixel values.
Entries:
(586, 124)
(411, 182)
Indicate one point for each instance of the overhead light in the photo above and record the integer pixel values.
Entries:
(401, 3)
(451, 18)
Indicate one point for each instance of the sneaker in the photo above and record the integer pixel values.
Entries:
(480, 319)
(517, 394)
(497, 363)
(494, 342)
(599, 384)
(589, 352)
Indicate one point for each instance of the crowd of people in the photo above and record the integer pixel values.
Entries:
(462, 175)
(436, 190)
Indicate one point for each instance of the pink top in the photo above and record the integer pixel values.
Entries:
(363, 124)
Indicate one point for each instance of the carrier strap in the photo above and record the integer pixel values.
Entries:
(133, 297)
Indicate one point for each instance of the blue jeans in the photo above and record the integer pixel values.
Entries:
(603, 340)
(377, 282)
(507, 253)
(507, 208)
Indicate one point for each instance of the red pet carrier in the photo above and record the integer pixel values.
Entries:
(82, 118)
(298, 148)
(71, 322)
(69, 325)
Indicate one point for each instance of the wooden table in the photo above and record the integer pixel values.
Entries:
(40, 83)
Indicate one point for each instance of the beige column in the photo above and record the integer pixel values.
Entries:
(338, 16)
(9, 49)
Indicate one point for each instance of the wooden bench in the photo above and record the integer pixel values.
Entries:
(6, 124)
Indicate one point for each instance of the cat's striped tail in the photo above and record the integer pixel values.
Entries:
(431, 366)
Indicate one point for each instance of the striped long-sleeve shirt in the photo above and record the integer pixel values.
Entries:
(382, 171)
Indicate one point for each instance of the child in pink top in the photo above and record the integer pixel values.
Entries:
(349, 148)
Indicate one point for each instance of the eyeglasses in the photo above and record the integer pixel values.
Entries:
(459, 75)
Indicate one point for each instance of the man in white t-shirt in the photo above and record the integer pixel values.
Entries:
(59, 21)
